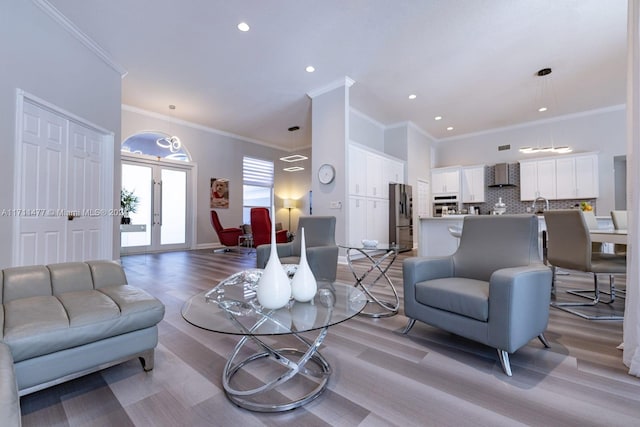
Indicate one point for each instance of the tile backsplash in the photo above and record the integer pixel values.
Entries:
(511, 195)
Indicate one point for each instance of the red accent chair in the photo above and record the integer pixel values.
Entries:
(261, 228)
(227, 236)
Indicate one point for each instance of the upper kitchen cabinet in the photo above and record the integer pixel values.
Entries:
(577, 177)
(537, 179)
(357, 171)
(445, 180)
(566, 177)
(473, 186)
(370, 173)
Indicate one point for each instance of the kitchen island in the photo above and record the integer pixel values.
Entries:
(435, 236)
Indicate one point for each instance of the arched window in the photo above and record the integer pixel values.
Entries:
(156, 144)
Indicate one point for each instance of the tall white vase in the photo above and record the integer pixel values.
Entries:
(274, 287)
(303, 284)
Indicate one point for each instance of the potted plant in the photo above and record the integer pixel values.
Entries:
(128, 204)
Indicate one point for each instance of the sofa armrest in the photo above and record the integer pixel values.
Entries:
(519, 300)
(263, 252)
(419, 269)
(9, 399)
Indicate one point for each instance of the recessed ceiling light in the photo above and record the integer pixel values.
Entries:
(243, 26)
(542, 109)
(412, 96)
(450, 128)
(437, 118)
(310, 69)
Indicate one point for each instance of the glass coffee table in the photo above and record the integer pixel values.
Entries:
(258, 375)
(373, 277)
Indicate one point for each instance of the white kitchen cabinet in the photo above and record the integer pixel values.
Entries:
(577, 177)
(357, 171)
(378, 220)
(393, 172)
(368, 219)
(445, 180)
(538, 179)
(375, 178)
(357, 220)
(473, 185)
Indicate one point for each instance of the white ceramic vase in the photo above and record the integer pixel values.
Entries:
(274, 287)
(303, 284)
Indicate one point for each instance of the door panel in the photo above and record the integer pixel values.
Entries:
(62, 213)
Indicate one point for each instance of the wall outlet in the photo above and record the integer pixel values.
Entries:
(335, 205)
(528, 209)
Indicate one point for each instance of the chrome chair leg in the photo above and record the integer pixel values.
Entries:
(544, 341)
(408, 327)
(504, 361)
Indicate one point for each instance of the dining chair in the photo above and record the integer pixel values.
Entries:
(619, 219)
(592, 224)
(569, 248)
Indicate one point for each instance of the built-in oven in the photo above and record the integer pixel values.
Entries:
(445, 204)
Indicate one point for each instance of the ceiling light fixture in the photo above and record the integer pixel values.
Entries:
(450, 128)
(412, 96)
(310, 69)
(293, 157)
(437, 118)
(546, 90)
(244, 27)
(172, 142)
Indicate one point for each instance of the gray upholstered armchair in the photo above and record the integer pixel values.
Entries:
(493, 290)
(322, 251)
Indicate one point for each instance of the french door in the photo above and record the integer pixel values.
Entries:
(162, 220)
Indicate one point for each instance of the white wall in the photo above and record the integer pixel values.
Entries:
(603, 131)
(41, 58)
(365, 131)
(219, 155)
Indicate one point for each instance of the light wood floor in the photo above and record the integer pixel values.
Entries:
(381, 378)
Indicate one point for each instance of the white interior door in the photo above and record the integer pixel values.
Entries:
(161, 221)
(62, 189)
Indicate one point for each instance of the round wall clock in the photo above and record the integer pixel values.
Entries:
(326, 173)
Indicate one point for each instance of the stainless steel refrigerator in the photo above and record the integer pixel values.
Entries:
(400, 216)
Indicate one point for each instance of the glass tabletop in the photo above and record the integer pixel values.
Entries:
(377, 247)
(232, 308)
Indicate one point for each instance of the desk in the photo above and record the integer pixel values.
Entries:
(609, 236)
(281, 378)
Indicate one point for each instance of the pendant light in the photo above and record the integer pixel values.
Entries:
(547, 98)
(293, 157)
(172, 143)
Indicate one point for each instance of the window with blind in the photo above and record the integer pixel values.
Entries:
(257, 185)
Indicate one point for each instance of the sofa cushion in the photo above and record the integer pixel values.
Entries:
(107, 273)
(41, 325)
(23, 282)
(468, 297)
(69, 277)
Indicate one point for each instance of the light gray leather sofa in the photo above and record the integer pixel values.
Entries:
(493, 290)
(320, 241)
(62, 321)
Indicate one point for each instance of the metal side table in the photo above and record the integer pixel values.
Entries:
(379, 258)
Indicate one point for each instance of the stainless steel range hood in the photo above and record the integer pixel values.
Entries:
(502, 176)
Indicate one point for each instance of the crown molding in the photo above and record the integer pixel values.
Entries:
(346, 82)
(565, 117)
(78, 34)
(196, 126)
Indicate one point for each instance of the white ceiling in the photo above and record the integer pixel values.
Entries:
(473, 62)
